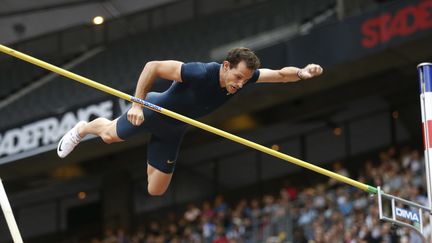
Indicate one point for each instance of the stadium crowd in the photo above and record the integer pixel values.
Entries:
(327, 212)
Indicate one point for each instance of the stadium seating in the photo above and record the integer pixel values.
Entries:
(327, 211)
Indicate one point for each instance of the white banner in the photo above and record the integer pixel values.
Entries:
(47, 132)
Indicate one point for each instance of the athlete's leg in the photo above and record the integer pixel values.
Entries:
(162, 155)
(158, 181)
(102, 127)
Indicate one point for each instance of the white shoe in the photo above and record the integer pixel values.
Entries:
(69, 140)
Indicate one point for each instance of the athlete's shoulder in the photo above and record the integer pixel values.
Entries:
(212, 65)
(197, 70)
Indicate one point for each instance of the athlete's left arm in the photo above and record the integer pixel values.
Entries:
(289, 74)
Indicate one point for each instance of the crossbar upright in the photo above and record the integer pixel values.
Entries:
(403, 212)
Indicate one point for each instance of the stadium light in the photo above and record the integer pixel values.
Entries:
(82, 195)
(98, 20)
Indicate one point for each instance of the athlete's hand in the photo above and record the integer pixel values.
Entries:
(135, 115)
(310, 71)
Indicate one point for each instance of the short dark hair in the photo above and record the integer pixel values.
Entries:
(236, 55)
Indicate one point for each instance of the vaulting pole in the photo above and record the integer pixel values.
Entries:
(185, 119)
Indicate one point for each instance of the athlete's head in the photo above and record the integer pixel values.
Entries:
(243, 54)
(238, 67)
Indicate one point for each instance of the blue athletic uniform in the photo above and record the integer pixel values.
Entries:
(198, 95)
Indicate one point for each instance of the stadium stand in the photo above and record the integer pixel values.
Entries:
(325, 212)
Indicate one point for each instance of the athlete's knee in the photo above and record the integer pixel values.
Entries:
(155, 191)
(158, 181)
(109, 138)
(109, 134)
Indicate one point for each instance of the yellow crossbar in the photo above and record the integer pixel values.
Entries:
(185, 119)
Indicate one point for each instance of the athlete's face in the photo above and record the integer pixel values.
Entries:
(235, 78)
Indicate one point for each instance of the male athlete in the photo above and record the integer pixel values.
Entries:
(198, 89)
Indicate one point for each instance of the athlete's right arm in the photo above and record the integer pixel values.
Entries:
(170, 70)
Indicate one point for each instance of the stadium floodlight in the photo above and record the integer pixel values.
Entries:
(98, 20)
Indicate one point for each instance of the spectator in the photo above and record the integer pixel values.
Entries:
(327, 212)
(192, 213)
(208, 229)
(207, 210)
(220, 235)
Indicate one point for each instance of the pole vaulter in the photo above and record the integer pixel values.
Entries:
(122, 95)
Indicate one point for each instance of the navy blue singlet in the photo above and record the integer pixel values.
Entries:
(197, 95)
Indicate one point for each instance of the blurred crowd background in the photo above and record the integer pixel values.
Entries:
(326, 212)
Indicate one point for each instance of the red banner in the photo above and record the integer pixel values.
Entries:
(404, 22)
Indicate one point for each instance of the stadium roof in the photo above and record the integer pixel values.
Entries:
(24, 19)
